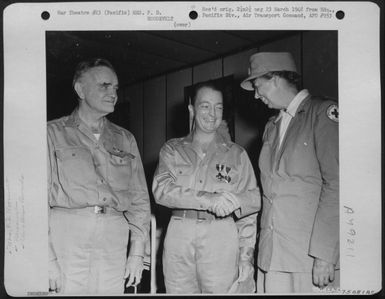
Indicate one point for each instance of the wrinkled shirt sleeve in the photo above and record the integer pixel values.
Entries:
(247, 191)
(138, 214)
(52, 181)
(166, 192)
(247, 232)
(249, 198)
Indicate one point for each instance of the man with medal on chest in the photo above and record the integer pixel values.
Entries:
(209, 183)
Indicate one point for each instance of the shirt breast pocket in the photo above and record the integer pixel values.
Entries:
(225, 177)
(75, 166)
(121, 171)
(184, 175)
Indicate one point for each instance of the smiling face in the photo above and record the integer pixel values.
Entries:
(208, 110)
(97, 90)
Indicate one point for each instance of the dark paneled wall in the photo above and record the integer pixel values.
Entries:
(154, 109)
(320, 63)
(176, 109)
(154, 121)
(162, 99)
(134, 95)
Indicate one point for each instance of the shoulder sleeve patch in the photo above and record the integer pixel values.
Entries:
(332, 113)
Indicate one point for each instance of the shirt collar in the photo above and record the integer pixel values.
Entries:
(188, 139)
(73, 120)
(294, 104)
(219, 141)
(291, 110)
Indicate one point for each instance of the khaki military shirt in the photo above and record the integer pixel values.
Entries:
(84, 172)
(183, 173)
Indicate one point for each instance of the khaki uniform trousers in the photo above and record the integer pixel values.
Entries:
(200, 256)
(91, 250)
(290, 282)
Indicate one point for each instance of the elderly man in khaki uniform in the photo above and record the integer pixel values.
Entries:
(299, 163)
(97, 192)
(209, 182)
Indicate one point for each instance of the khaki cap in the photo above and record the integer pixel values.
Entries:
(265, 62)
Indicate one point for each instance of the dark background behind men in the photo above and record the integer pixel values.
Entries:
(153, 78)
(155, 67)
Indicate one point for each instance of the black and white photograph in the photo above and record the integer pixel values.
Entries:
(153, 69)
(212, 159)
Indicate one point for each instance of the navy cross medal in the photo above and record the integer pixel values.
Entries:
(223, 173)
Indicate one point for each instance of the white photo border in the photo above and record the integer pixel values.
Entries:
(25, 171)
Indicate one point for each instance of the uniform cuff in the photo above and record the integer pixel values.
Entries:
(325, 253)
(137, 248)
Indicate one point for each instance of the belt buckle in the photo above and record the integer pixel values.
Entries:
(99, 210)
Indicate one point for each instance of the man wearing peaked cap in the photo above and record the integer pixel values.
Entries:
(299, 164)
